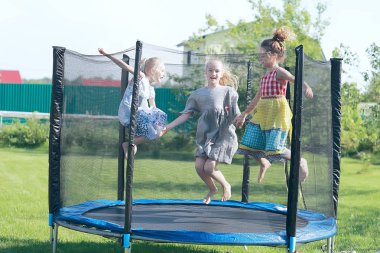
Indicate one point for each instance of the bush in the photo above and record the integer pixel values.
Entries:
(33, 133)
(88, 136)
(172, 141)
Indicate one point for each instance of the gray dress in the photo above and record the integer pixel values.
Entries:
(217, 108)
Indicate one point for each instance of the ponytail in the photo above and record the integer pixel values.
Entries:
(229, 79)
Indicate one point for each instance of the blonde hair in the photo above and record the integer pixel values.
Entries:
(227, 79)
(151, 65)
(276, 45)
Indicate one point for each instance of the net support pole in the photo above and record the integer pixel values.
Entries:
(246, 167)
(291, 216)
(56, 108)
(121, 160)
(336, 83)
(288, 98)
(336, 69)
(131, 154)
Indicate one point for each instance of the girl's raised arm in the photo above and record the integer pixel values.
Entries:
(119, 62)
(283, 74)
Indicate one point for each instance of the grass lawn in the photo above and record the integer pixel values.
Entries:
(24, 212)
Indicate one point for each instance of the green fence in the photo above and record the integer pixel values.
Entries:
(102, 100)
(25, 97)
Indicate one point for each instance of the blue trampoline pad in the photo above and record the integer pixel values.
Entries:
(191, 221)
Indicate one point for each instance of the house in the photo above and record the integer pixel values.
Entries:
(10, 76)
(365, 109)
(214, 43)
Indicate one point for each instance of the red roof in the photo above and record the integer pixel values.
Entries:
(10, 76)
(101, 82)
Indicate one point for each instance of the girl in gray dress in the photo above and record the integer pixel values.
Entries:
(216, 139)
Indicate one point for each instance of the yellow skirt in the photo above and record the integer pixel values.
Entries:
(273, 113)
(267, 133)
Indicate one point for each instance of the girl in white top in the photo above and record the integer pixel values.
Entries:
(150, 120)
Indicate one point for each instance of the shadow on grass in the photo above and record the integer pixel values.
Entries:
(34, 246)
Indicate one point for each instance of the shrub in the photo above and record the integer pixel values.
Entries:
(89, 135)
(33, 133)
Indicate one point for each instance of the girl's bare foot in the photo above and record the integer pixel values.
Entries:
(304, 170)
(264, 165)
(226, 193)
(209, 196)
(125, 148)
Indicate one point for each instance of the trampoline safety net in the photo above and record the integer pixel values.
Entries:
(164, 169)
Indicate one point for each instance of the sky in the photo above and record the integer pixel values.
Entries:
(29, 29)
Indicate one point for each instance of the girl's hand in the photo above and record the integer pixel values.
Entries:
(308, 92)
(164, 131)
(239, 120)
(101, 50)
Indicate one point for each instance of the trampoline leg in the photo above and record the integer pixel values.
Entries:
(330, 244)
(127, 244)
(51, 234)
(54, 236)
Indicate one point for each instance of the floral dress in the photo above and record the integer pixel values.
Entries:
(150, 120)
(217, 108)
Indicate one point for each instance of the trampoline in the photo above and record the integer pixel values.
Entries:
(155, 195)
(191, 221)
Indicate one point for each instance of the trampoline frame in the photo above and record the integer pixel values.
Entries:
(124, 188)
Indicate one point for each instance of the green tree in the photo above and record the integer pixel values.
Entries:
(353, 128)
(350, 58)
(371, 142)
(245, 37)
(373, 76)
(248, 35)
(365, 136)
(267, 18)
